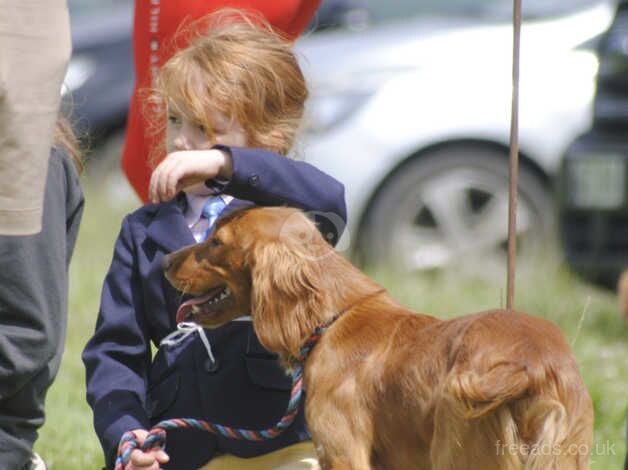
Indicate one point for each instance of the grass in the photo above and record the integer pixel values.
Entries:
(587, 315)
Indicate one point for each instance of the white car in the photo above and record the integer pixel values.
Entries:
(411, 112)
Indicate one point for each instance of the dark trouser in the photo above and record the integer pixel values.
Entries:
(32, 329)
(33, 313)
(20, 417)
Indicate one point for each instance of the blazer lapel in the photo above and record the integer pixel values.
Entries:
(168, 228)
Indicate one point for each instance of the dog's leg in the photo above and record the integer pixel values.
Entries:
(343, 441)
(488, 442)
(341, 463)
(341, 451)
(338, 465)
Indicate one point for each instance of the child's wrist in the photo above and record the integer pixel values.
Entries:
(226, 166)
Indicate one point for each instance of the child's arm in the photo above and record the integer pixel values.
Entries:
(269, 179)
(185, 168)
(260, 176)
(117, 356)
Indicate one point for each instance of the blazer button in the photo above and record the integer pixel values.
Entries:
(211, 366)
(253, 180)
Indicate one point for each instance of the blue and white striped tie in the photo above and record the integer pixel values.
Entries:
(212, 209)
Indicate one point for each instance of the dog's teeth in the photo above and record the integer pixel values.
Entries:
(227, 291)
(223, 295)
(195, 309)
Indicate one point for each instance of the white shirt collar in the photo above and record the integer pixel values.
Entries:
(194, 210)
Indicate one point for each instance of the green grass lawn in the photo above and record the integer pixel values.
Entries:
(587, 315)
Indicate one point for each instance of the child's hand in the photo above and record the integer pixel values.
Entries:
(185, 168)
(146, 460)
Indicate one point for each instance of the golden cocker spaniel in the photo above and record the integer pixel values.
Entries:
(388, 388)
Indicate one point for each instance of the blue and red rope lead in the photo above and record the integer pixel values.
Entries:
(156, 438)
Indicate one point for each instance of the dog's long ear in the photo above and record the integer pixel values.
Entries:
(288, 295)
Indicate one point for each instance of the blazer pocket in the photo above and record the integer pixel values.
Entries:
(267, 373)
(162, 395)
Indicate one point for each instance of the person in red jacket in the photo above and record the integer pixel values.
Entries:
(155, 24)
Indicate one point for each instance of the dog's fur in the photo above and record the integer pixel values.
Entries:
(388, 388)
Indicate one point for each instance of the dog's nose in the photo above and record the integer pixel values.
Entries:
(166, 262)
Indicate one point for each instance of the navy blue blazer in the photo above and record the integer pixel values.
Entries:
(246, 388)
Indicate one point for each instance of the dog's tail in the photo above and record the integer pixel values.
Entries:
(475, 394)
(537, 424)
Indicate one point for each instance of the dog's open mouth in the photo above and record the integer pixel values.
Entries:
(204, 305)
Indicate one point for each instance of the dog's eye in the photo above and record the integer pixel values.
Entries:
(215, 241)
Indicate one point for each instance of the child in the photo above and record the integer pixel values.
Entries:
(155, 22)
(235, 98)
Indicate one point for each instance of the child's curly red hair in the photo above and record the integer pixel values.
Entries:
(236, 64)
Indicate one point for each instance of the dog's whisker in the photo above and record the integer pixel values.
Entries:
(184, 290)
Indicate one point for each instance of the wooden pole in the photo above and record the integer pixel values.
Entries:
(514, 156)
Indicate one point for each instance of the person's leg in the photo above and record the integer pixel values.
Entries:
(20, 417)
(33, 315)
(299, 456)
(35, 49)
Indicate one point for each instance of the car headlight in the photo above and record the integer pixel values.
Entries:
(79, 70)
(323, 112)
(596, 181)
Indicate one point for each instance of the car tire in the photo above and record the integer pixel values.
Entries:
(449, 208)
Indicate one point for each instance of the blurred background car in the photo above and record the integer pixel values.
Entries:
(593, 204)
(410, 109)
(99, 81)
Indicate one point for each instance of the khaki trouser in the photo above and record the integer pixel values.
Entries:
(34, 51)
(299, 456)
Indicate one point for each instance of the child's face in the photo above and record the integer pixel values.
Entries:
(184, 134)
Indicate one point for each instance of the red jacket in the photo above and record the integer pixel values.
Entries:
(155, 23)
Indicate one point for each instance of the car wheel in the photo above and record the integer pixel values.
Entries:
(449, 208)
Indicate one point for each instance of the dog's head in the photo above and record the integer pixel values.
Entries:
(266, 261)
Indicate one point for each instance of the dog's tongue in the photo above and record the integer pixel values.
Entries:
(185, 307)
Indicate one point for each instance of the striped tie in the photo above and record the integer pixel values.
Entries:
(212, 209)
